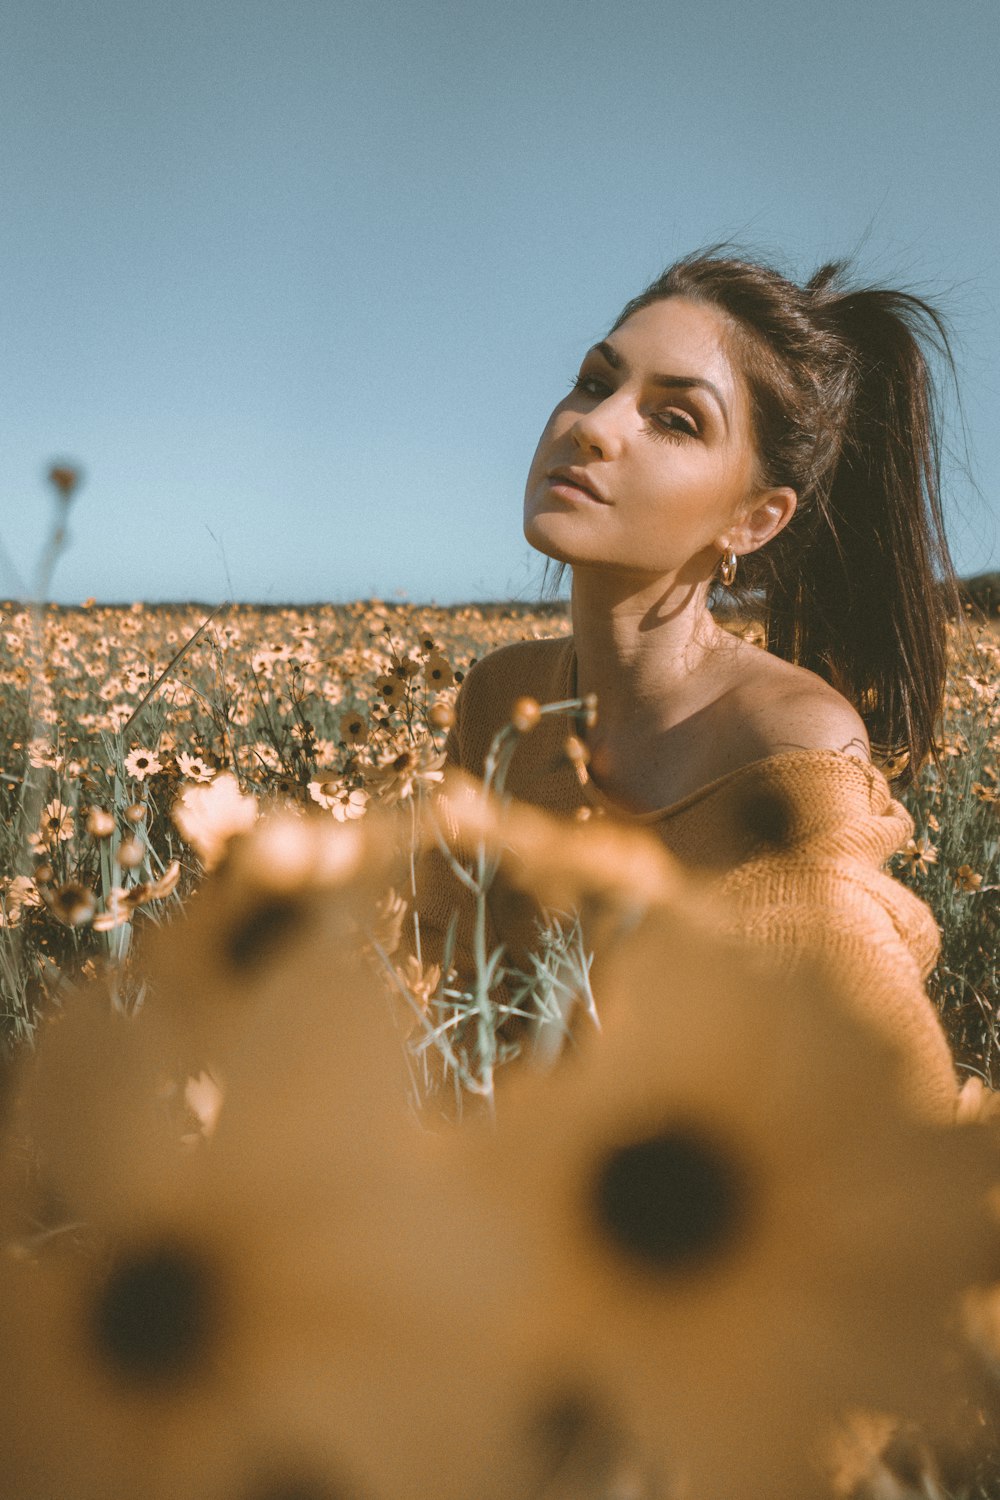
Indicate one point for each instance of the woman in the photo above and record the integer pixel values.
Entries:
(735, 428)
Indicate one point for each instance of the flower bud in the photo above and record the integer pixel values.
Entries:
(441, 715)
(525, 715)
(64, 478)
(100, 824)
(136, 813)
(131, 853)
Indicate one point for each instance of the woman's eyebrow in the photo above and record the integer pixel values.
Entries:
(669, 382)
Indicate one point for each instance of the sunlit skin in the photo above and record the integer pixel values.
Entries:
(672, 470)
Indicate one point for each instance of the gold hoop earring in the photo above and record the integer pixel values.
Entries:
(727, 573)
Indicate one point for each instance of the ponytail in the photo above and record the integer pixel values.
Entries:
(868, 604)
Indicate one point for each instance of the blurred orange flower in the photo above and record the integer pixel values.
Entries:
(209, 816)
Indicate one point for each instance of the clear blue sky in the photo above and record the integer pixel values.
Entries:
(298, 281)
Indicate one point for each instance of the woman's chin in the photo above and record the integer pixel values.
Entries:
(546, 538)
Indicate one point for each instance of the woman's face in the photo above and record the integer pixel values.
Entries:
(649, 460)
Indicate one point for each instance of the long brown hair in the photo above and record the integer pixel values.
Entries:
(859, 585)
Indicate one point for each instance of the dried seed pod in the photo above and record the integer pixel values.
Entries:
(131, 853)
(525, 715)
(100, 824)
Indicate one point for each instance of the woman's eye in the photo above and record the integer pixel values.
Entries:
(588, 385)
(675, 423)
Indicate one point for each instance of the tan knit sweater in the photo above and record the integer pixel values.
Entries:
(794, 844)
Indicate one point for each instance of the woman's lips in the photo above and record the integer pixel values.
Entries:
(573, 486)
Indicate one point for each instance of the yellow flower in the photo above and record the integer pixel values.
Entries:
(386, 926)
(249, 918)
(389, 689)
(729, 1182)
(353, 729)
(41, 753)
(142, 763)
(399, 774)
(56, 826)
(437, 670)
(419, 980)
(72, 903)
(967, 879)
(891, 760)
(194, 767)
(335, 795)
(16, 893)
(139, 894)
(209, 816)
(204, 1096)
(117, 912)
(919, 854)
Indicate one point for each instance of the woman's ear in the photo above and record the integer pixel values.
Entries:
(770, 512)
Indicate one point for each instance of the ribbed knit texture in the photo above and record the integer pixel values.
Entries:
(794, 845)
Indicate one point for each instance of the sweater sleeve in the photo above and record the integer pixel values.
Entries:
(877, 939)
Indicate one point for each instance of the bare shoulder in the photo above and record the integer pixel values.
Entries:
(786, 707)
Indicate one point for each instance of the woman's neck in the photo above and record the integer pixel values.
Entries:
(649, 649)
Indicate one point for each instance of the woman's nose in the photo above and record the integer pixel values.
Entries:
(598, 431)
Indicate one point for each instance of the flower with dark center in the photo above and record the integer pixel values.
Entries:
(142, 763)
(673, 1202)
(353, 729)
(153, 1322)
(438, 670)
(389, 689)
(732, 1207)
(72, 903)
(262, 930)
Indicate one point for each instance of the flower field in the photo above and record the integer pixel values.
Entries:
(246, 1257)
(113, 716)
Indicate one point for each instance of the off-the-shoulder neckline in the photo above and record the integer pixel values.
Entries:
(866, 770)
(783, 760)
